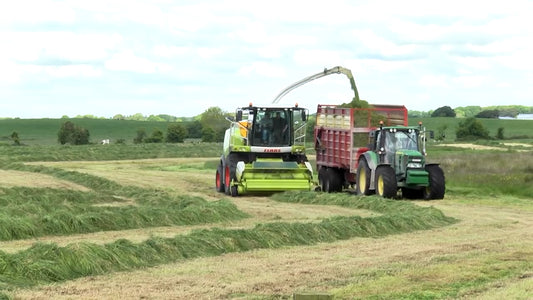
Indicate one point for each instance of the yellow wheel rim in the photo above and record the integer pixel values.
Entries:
(381, 186)
(362, 181)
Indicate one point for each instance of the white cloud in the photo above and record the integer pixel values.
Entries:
(433, 81)
(128, 61)
(263, 69)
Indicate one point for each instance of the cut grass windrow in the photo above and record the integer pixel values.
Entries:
(45, 263)
(33, 212)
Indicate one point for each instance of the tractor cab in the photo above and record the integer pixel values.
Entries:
(402, 148)
(273, 126)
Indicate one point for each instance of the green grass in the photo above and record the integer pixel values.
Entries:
(10, 153)
(486, 173)
(512, 128)
(44, 131)
(33, 212)
(444, 277)
(44, 263)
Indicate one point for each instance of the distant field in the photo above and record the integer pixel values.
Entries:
(44, 131)
(512, 128)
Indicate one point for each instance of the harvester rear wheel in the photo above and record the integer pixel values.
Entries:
(386, 185)
(436, 187)
(218, 179)
(363, 178)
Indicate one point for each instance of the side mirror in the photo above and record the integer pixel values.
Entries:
(239, 115)
(304, 116)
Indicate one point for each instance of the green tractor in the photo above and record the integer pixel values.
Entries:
(264, 152)
(396, 160)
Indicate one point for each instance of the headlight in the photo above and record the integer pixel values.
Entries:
(413, 165)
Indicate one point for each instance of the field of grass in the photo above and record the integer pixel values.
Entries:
(144, 221)
(44, 131)
(512, 128)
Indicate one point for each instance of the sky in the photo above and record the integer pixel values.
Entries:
(180, 58)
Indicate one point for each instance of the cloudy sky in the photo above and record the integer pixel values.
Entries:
(182, 57)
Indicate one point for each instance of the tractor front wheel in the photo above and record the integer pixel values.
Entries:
(363, 178)
(436, 187)
(386, 185)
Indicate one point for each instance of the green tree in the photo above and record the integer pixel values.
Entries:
(441, 132)
(444, 111)
(15, 138)
(141, 135)
(215, 119)
(156, 137)
(137, 117)
(176, 133)
(208, 134)
(118, 117)
(471, 129)
(194, 129)
(499, 135)
(489, 114)
(72, 134)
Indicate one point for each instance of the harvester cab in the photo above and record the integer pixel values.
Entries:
(264, 151)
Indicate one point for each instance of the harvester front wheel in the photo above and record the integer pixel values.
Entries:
(386, 185)
(234, 191)
(218, 179)
(436, 187)
(227, 180)
(363, 178)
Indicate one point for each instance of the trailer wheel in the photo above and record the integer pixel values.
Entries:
(363, 178)
(436, 187)
(321, 177)
(218, 179)
(386, 185)
(334, 180)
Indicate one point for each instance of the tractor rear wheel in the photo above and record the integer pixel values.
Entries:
(218, 179)
(363, 178)
(386, 185)
(436, 187)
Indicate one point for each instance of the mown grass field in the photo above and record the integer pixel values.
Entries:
(44, 131)
(144, 221)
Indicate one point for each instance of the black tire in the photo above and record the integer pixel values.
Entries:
(437, 185)
(321, 177)
(219, 179)
(386, 185)
(363, 178)
(234, 191)
(330, 180)
(335, 182)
